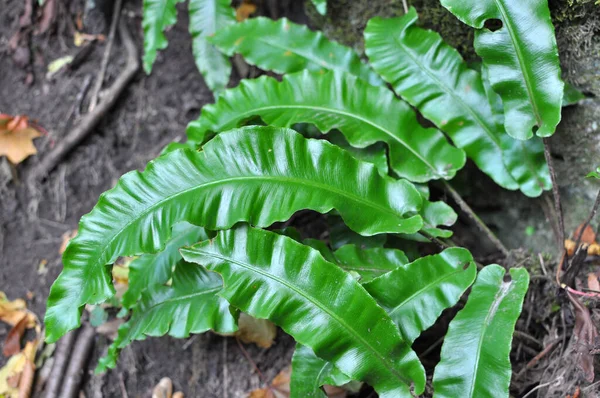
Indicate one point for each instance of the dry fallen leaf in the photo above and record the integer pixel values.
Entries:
(594, 249)
(164, 389)
(12, 312)
(588, 236)
(585, 335)
(279, 387)
(16, 376)
(16, 138)
(244, 11)
(12, 343)
(593, 283)
(66, 238)
(262, 332)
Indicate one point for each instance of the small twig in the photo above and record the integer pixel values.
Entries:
(539, 386)
(262, 378)
(475, 218)
(78, 363)
(432, 347)
(405, 5)
(105, 57)
(90, 120)
(122, 385)
(542, 264)
(538, 357)
(555, 193)
(61, 358)
(589, 219)
(442, 245)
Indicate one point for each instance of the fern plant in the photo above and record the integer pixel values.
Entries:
(199, 215)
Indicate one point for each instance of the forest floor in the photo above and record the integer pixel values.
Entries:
(153, 111)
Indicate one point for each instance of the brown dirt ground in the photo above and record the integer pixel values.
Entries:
(153, 111)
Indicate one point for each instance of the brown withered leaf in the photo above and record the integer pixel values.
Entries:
(585, 335)
(66, 238)
(16, 138)
(262, 332)
(12, 312)
(16, 377)
(244, 11)
(12, 343)
(588, 236)
(592, 282)
(279, 387)
(164, 389)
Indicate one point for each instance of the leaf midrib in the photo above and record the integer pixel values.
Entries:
(520, 58)
(451, 93)
(500, 295)
(319, 305)
(223, 181)
(340, 112)
(183, 298)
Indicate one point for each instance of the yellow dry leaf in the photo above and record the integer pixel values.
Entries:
(570, 246)
(279, 387)
(66, 238)
(16, 138)
(594, 249)
(164, 389)
(10, 374)
(12, 312)
(244, 11)
(593, 283)
(262, 332)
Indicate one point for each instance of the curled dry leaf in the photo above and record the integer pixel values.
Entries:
(593, 283)
(585, 334)
(279, 387)
(244, 11)
(16, 138)
(164, 389)
(12, 312)
(588, 236)
(262, 332)
(66, 238)
(16, 377)
(12, 343)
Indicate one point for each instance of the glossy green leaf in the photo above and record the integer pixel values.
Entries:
(340, 235)
(415, 295)
(571, 95)
(369, 263)
(475, 361)
(272, 276)
(320, 6)
(375, 153)
(522, 57)
(173, 146)
(594, 174)
(363, 113)
(524, 159)
(285, 47)
(256, 174)
(189, 305)
(310, 373)
(158, 15)
(156, 269)
(433, 77)
(527, 164)
(206, 17)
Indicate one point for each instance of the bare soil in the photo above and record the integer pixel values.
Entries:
(153, 111)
